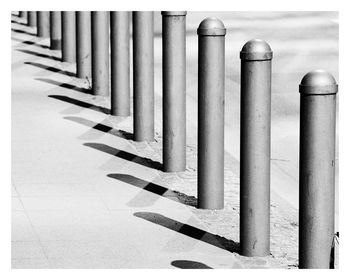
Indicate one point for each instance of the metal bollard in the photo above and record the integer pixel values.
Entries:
(83, 44)
(23, 14)
(256, 56)
(211, 95)
(174, 91)
(43, 24)
(100, 53)
(120, 63)
(317, 168)
(55, 30)
(68, 36)
(31, 18)
(143, 73)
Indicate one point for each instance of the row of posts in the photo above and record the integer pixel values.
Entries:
(84, 39)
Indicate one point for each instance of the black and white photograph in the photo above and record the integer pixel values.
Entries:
(161, 139)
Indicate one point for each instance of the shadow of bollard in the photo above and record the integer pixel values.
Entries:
(23, 31)
(184, 264)
(39, 54)
(101, 127)
(190, 231)
(18, 22)
(30, 43)
(125, 155)
(50, 68)
(156, 189)
(68, 86)
(80, 103)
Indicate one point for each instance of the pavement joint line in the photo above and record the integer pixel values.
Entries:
(34, 230)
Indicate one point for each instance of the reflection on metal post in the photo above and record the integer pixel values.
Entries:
(68, 36)
(43, 22)
(256, 56)
(23, 14)
(32, 18)
(143, 78)
(317, 168)
(100, 53)
(83, 44)
(211, 95)
(174, 91)
(120, 63)
(55, 30)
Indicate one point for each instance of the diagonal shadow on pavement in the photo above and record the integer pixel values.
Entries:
(22, 31)
(156, 189)
(196, 233)
(125, 155)
(101, 127)
(31, 43)
(39, 54)
(78, 102)
(66, 86)
(50, 68)
(184, 264)
(18, 22)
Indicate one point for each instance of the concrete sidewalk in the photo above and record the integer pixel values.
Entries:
(84, 195)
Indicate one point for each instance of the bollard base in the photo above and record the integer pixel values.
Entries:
(251, 253)
(143, 139)
(56, 44)
(210, 205)
(119, 113)
(170, 169)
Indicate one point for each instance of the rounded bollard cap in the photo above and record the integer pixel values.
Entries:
(318, 82)
(174, 13)
(256, 49)
(211, 27)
